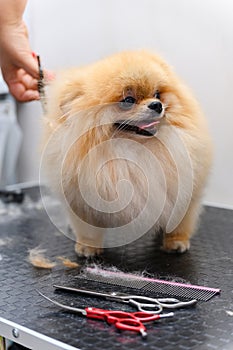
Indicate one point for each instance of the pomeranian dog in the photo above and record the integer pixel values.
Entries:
(128, 149)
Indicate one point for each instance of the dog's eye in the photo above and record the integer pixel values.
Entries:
(157, 95)
(127, 103)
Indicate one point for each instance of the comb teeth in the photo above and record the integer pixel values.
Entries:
(130, 283)
(161, 287)
(179, 292)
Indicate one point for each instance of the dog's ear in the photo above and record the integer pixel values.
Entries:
(73, 89)
(67, 88)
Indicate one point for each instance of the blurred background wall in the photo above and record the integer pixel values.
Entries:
(194, 36)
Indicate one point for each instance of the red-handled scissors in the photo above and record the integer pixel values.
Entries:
(129, 321)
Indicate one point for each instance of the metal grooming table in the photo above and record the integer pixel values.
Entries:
(28, 319)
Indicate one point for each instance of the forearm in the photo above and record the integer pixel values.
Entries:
(11, 12)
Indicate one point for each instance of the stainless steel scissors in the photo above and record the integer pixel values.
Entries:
(128, 321)
(142, 303)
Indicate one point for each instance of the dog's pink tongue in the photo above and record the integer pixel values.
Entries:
(149, 125)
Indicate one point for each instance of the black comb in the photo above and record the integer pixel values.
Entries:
(168, 288)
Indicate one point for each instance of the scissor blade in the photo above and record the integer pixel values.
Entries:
(66, 307)
(172, 303)
(88, 292)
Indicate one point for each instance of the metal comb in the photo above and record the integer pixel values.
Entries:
(41, 85)
(174, 289)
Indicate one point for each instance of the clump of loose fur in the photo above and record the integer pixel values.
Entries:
(37, 258)
(67, 262)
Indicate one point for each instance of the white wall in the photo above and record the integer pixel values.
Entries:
(195, 36)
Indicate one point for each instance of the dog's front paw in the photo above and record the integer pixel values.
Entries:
(176, 246)
(175, 243)
(87, 251)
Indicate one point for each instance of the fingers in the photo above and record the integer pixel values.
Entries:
(27, 80)
(30, 64)
(48, 75)
(21, 94)
(24, 88)
(30, 95)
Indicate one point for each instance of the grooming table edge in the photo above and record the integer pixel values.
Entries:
(29, 338)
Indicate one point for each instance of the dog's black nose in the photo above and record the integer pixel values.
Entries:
(156, 106)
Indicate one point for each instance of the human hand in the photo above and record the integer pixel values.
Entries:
(19, 67)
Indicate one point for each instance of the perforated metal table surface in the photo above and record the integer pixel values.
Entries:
(32, 321)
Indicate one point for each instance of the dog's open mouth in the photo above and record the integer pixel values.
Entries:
(145, 127)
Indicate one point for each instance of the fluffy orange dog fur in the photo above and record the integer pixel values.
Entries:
(83, 106)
